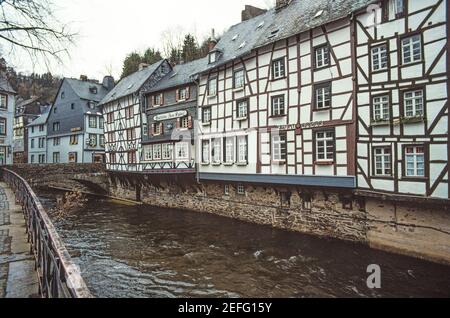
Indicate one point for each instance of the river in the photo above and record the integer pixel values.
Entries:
(142, 251)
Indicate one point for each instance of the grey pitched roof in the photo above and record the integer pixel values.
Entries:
(131, 84)
(299, 16)
(5, 86)
(180, 75)
(82, 89)
(42, 119)
(23, 103)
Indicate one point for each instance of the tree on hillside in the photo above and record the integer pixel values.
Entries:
(190, 48)
(133, 60)
(30, 26)
(151, 56)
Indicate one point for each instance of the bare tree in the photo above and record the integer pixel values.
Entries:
(172, 39)
(31, 26)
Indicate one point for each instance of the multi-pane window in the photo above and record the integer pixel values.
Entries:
(279, 68)
(102, 140)
(132, 157)
(240, 189)
(56, 141)
(381, 108)
(157, 152)
(101, 123)
(182, 94)
(41, 128)
(92, 140)
(92, 121)
(56, 157)
(324, 146)
(131, 134)
(212, 86)
(383, 161)
(278, 107)
(322, 56)
(412, 49)
(157, 129)
(239, 79)
(41, 143)
(2, 126)
(73, 157)
(112, 157)
(3, 101)
(56, 126)
(157, 100)
(242, 109)
(279, 147)
(167, 150)
(184, 122)
(379, 58)
(111, 137)
(205, 151)
(129, 112)
(413, 101)
(110, 118)
(242, 155)
(182, 150)
(323, 96)
(74, 140)
(399, 8)
(206, 115)
(216, 150)
(229, 150)
(148, 153)
(41, 158)
(415, 161)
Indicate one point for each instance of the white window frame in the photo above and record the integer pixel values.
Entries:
(322, 56)
(242, 148)
(380, 57)
(239, 79)
(242, 109)
(184, 122)
(412, 49)
(157, 152)
(206, 153)
(381, 109)
(212, 89)
(182, 151)
(328, 141)
(417, 159)
(206, 110)
(414, 103)
(93, 121)
(148, 153)
(3, 101)
(383, 161)
(158, 129)
(279, 68)
(240, 189)
(167, 151)
(216, 150)
(323, 97)
(182, 94)
(230, 147)
(278, 145)
(278, 105)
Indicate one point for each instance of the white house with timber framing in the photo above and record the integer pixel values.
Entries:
(402, 78)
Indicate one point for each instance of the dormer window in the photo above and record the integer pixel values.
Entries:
(157, 100)
(213, 56)
(93, 89)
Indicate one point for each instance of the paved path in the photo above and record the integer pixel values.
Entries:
(18, 278)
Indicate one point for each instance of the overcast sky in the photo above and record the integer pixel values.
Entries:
(109, 30)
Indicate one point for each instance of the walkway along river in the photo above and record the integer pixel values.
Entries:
(141, 251)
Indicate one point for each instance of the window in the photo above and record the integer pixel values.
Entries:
(240, 189)
(414, 104)
(63, 95)
(412, 49)
(323, 96)
(111, 137)
(278, 108)
(182, 151)
(157, 152)
(148, 153)
(216, 150)
(32, 159)
(242, 150)
(56, 157)
(182, 94)
(226, 189)
(102, 140)
(383, 163)
(229, 150)
(3, 101)
(324, 146)
(205, 151)
(32, 144)
(129, 112)
(3, 126)
(112, 157)
(41, 143)
(381, 108)
(184, 122)
(158, 100)
(157, 129)
(101, 123)
(74, 140)
(41, 128)
(379, 58)
(212, 86)
(131, 134)
(415, 161)
(41, 158)
(242, 109)
(285, 199)
(72, 106)
(55, 110)
(91, 105)
(73, 157)
(132, 157)
(278, 69)
(167, 150)
(110, 118)
(279, 147)
(212, 57)
(56, 141)
(206, 115)
(399, 8)
(239, 79)
(56, 126)
(32, 130)
(92, 140)
(92, 121)
(322, 56)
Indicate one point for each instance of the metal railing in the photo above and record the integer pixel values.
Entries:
(59, 277)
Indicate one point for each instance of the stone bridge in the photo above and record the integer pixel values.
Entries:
(91, 178)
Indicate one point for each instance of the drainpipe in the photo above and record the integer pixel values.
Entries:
(196, 130)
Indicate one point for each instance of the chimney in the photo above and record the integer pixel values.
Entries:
(212, 40)
(142, 66)
(281, 4)
(83, 78)
(108, 82)
(250, 12)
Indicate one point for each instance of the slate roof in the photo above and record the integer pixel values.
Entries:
(5, 86)
(82, 89)
(299, 16)
(131, 84)
(42, 119)
(180, 75)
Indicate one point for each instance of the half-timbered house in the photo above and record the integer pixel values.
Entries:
(171, 107)
(402, 78)
(125, 123)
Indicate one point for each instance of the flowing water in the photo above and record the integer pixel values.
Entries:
(129, 251)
